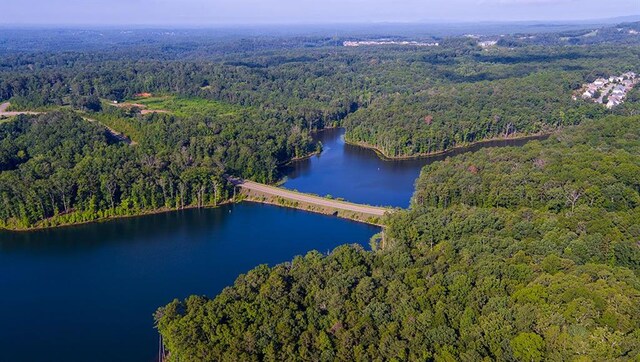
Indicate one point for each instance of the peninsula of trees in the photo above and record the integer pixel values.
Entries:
(513, 254)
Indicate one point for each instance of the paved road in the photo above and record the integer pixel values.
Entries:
(314, 200)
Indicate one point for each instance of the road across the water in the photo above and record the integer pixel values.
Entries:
(309, 199)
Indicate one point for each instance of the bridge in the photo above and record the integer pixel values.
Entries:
(258, 192)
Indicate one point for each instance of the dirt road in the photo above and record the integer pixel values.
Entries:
(114, 133)
(310, 199)
(3, 111)
(119, 136)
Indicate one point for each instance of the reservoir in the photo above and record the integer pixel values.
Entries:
(88, 292)
(358, 175)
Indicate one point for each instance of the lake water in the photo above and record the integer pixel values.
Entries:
(357, 174)
(88, 292)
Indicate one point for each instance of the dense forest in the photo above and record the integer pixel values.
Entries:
(516, 254)
(497, 94)
(230, 107)
(58, 168)
(404, 101)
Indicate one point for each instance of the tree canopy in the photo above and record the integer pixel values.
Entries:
(542, 277)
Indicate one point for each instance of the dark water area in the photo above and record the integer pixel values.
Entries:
(87, 293)
(359, 175)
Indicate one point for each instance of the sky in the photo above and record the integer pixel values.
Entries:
(229, 12)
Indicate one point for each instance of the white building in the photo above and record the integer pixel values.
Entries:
(618, 90)
(600, 82)
(612, 103)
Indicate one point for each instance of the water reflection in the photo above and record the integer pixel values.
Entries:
(88, 292)
(357, 174)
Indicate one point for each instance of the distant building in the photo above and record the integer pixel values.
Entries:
(600, 82)
(487, 43)
(387, 42)
(612, 102)
(619, 89)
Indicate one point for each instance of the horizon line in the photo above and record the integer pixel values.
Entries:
(594, 21)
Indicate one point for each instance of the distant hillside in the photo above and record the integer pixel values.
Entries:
(625, 33)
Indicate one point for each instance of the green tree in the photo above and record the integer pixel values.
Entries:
(528, 347)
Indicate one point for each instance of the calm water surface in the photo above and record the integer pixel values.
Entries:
(359, 175)
(87, 293)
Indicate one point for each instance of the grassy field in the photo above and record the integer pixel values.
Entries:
(175, 105)
(189, 106)
(182, 107)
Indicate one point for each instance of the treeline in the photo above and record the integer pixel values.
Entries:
(541, 277)
(595, 166)
(447, 116)
(313, 93)
(624, 33)
(59, 168)
(319, 87)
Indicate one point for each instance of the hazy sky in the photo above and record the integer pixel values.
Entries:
(212, 12)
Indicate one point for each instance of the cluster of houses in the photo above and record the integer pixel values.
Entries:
(487, 43)
(611, 91)
(387, 42)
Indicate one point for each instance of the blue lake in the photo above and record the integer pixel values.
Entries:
(88, 292)
(359, 175)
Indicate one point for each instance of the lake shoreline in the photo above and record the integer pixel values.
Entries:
(162, 210)
(149, 212)
(383, 156)
(300, 158)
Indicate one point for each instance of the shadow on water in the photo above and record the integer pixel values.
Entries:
(80, 238)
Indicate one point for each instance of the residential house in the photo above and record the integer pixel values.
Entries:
(612, 102)
(600, 82)
(618, 90)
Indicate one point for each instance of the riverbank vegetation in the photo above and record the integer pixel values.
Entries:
(448, 116)
(525, 254)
